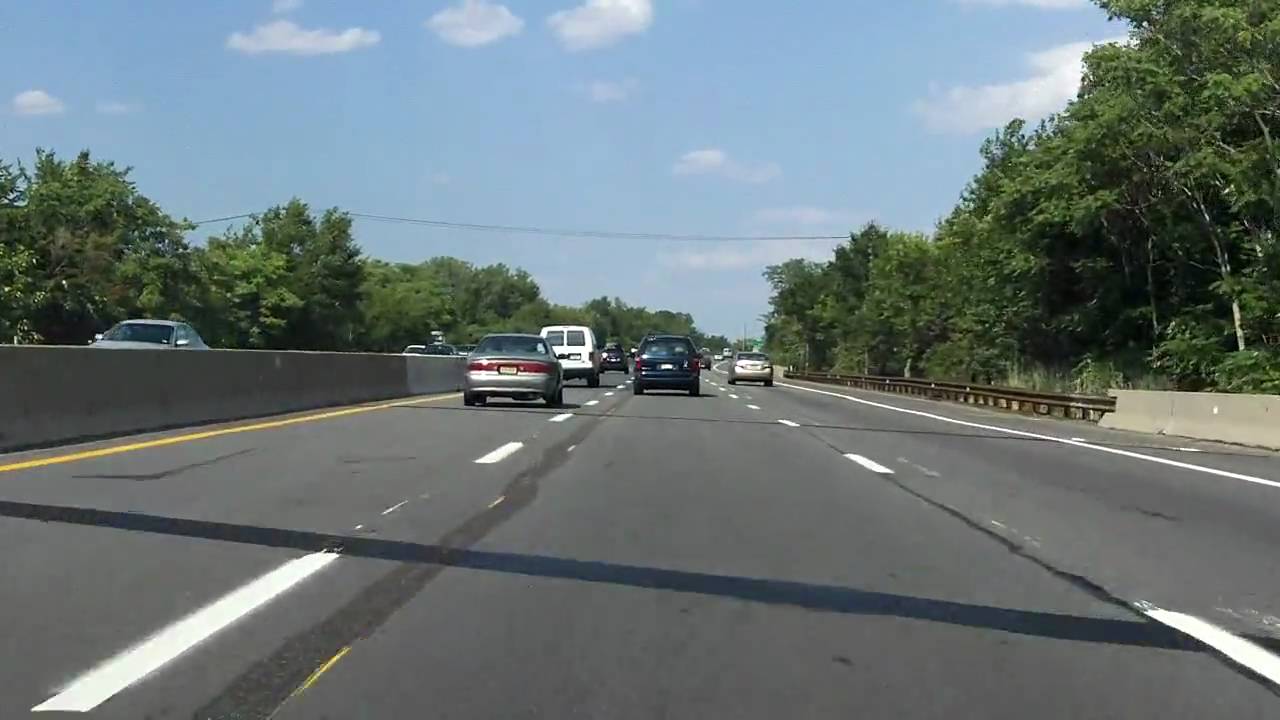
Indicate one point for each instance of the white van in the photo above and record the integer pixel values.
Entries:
(575, 346)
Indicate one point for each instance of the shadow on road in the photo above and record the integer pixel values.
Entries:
(810, 596)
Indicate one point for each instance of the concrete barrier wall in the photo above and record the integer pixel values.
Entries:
(58, 394)
(1244, 419)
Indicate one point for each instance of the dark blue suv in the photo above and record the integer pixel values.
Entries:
(667, 362)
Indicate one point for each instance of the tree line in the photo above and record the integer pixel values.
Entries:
(1129, 240)
(81, 249)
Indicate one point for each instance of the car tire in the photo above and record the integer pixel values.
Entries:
(637, 388)
(593, 381)
(768, 383)
(555, 399)
(468, 399)
(694, 390)
(732, 381)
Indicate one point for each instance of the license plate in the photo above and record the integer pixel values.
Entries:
(666, 366)
(508, 370)
(575, 356)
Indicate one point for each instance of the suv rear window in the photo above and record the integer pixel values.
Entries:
(672, 347)
(577, 338)
(555, 338)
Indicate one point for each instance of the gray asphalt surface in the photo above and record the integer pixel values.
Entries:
(654, 556)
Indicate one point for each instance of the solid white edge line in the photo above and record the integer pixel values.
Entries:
(754, 407)
(1038, 436)
(101, 683)
(869, 464)
(1248, 654)
(788, 423)
(395, 507)
(561, 417)
(500, 454)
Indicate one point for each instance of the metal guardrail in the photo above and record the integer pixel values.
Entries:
(1029, 402)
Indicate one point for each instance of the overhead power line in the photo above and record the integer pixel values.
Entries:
(553, 232)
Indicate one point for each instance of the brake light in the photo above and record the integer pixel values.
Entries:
(639, 365)
(539, 368)
(480, 366)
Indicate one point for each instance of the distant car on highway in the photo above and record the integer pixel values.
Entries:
(612, 358)
(705, 354)
(517, 366)
(667, 362)
(575, 347)
(751, 367)
(464, 349)
(719, 357)
(432, 349)
(150, 335)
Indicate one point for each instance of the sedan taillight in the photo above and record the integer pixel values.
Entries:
(538, 368)
(479, 366)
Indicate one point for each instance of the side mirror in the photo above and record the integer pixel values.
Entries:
(97, 337)
(182, 343)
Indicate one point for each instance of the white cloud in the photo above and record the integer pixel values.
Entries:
(37, 102)
(797, 220)
(599, 23)
(115, 107)
(714, 161)
(746, 254)
(475, 23)
(1045, 4)
(607, 91)
(281, 7)
(1054, 82)
(807, 216)
(286, 37)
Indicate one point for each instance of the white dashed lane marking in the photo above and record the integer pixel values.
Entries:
(754, 407)
(561, 417)
(500, 454)
(100, 684)
(871, 465)
(788, 423)
(395, 507)
(591, 402)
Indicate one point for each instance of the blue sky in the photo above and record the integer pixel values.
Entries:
(725, 117)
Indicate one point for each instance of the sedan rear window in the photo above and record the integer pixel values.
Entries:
(141, 332)
(757, 357)
(577, 338)
(512, 344)
(668, 348)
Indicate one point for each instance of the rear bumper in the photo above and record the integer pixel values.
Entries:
(751, 375)
(680, 381)
(613, 364)
(493, 384)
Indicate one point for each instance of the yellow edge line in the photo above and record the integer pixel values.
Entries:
(322, 669)
(190, 437)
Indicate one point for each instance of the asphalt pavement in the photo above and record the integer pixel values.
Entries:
(800, 551)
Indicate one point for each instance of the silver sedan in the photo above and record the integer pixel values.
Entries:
(751, 367)
(517, 366)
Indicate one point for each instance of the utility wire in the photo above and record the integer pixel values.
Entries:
(531, 230)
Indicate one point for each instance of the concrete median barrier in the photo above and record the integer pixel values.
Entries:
(50, 395)
(1243, 419)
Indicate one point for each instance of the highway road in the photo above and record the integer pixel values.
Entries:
(800, 551)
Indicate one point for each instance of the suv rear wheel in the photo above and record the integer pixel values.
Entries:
(593, 381)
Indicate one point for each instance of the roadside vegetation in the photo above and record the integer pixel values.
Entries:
(81, 249)
(1129, 241)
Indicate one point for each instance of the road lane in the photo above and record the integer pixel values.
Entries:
(88, 593)
(654, 555)
(1180, 539)
(659, 571)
